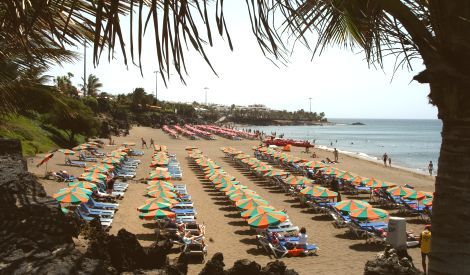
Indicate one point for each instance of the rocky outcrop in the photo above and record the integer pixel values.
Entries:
(391, 261)
(215, 266)
(35, 237)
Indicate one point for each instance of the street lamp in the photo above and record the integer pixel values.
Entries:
(205, 91)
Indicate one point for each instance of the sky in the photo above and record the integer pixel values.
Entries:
(339, 81)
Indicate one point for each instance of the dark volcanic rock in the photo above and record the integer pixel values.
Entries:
(214, 266)
(35, 236)
(391, 262)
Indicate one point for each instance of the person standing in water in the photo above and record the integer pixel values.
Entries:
(385, 158)
(430, 168)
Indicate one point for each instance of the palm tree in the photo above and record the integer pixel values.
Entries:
(93, 86)
(436, 31)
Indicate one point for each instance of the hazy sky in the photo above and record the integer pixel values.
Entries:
(339, 82)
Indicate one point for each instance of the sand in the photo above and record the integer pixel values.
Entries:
(225, 230)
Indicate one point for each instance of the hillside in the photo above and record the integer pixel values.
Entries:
(35, 137)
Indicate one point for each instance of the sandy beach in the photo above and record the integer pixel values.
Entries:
(228, 233)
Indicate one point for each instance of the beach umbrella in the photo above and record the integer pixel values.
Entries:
(346, 176)
(111, 160)
(357, 180)
(237, 197)
(240, 191)
(75, 189)
(161, 193)
(117, 154)
(380, 184)
(211, 173)
(190, 148)
(159, 175)
(159, 183)
(157, 214)
(45, 160)
(218, 180)
(310, 190)
(276, 173)
(83, 146)
(154, 205)
(218, 177)
(160, 188)
(242, 156)
(93, 176)
(83, 184)
(427, 202)
(232, 187)
(324, 194)
(162, 199)
(298, 180)
(71, 196)
(265, 168)
(250, 203)
(368, 213)
(401, 191)
(255, 211)
(350, 205)
(329, 171)
(67, 152)
(418, 195)
(267, 218)
(428, 194)
(315, 164)
(160, 162)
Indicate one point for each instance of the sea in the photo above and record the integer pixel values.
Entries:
(411, 143)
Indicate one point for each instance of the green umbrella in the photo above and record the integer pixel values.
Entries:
(267, 218)
(157, 214)
(154, 205)
(255, 211)
(250, 203)
(368, 213)
(71, 197)
(76, 189)
(350, 205)
(83, 184)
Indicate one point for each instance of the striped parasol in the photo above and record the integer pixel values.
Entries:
(157, 214)
(350, 205)
(368, 213)
(267, 218)
(250, 203)
(255, 211)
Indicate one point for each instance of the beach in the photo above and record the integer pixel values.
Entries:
(226, 232)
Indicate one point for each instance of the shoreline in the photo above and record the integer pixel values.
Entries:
(372, 159)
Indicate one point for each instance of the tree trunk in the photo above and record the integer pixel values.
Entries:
(71, 138)
(450, 251)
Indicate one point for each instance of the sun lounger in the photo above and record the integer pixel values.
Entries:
(136, 153)
(185, 219)
(83, 157)
(105, 222)
(102, 205)
(184, 211)
(195, 250)
(93, 211)
(74, 163)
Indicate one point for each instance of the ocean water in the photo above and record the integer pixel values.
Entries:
(410, 143)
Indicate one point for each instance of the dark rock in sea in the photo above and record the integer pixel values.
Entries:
(391, 261)
(357, 123)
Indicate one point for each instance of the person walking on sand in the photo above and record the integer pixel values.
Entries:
(385, 158)
(335, 153)
(144, 143)
(389, 161)
(151, 142)
(430, 168)
(425, 245)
